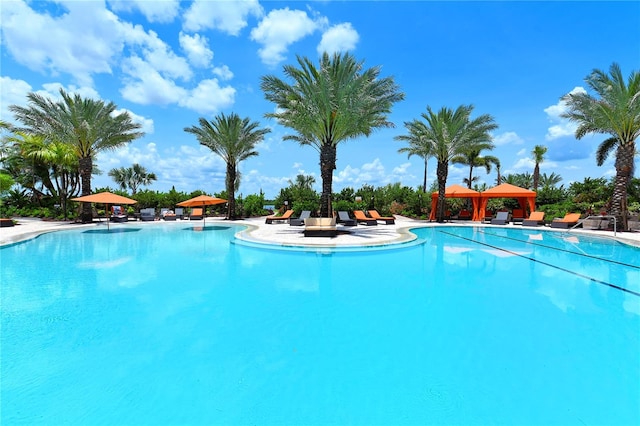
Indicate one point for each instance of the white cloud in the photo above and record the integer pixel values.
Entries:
(227, 16)
(223, 72)
(197, 50)
(164, 11)
(281, 28)
(12, 92)
(81, 41)
(338, 38)
(561, 126)
(209, 97)
(147, 86)
(507, 138)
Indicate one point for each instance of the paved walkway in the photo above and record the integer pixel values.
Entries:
(284, 234)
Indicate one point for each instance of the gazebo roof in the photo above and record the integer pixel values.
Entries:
(506, 190)
(458, 191)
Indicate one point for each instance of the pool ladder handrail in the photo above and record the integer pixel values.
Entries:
(600, 216)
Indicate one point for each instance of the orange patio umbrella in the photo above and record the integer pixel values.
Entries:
(105, 198)
(202, 201)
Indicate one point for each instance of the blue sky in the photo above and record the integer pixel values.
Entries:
(169, 63)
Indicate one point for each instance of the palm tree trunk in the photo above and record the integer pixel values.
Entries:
(536, 176)
(231, 187)
(470, 176)
(442, 172)
(624, 170)
(86, 167)
(327, 166)
(424, 180)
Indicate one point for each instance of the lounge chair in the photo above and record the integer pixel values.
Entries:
(118, 214)
(320, 227)
(196, 214)
(517, 215)
(306, 214)
(535, 219)
(569, 220)
(502, 218)
(388, 220)
(168, 215)
(343, 218)
(362, 218)
(148, 214)
(285, 217)
(179, 213)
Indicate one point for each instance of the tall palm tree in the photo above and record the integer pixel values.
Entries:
(615, 112)
(329, 104)
(538, 153)
(89, 126)
(471, 157)
(499, 176)
(234, 139)
(449, 133)
(132, 177)
(417, 147)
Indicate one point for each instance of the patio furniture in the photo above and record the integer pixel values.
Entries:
(299, 221)
(535, 219)
(362, 218)
(118, 214)
(517, 215)
(196, 214)
(502, 218)
(179, 212)
(388, 220)
(148, 214)
(343, 218)
(569, 220)
(285, 217)
(320, 227)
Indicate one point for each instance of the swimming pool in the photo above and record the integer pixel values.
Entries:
(184, 325)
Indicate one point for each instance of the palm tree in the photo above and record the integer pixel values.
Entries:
(471, 157)
(303, 182)
(132, 177)
(419, 148)
(550, 181)
(523, 180)
(57, 163)
(448, 133)
(538, 153)
(89, 126)
(329, 104)
(499, 176)
(616, 113)
(234, 140)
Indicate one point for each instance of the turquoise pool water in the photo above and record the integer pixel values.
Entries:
(179, 325)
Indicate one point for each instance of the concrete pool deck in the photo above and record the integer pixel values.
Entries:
(284, 234)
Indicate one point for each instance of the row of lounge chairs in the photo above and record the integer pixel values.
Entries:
(149, 214)
(537, 219)
(342, 218)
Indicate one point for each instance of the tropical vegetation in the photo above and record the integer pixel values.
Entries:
(448, 134)
(42, 166)
(614, 110)
(85, 125)
(234, 139)
(335, 102)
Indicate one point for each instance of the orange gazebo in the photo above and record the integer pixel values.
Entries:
(526, 198)
(456, 191)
